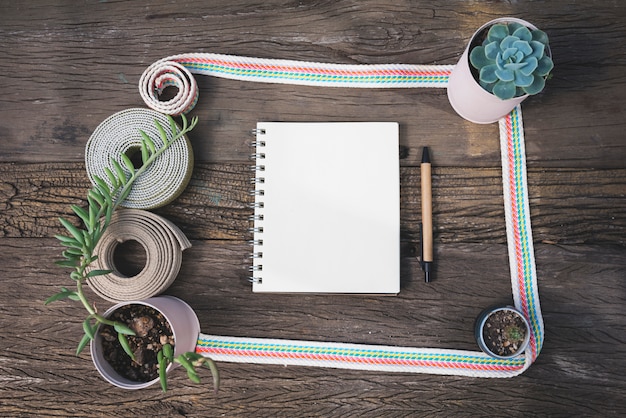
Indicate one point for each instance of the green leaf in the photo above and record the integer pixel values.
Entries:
(72, 254)
(76, 276)
(544, 66)
(94, 273)
(128, 163)
(504, 90)
(183, 361)
(488, 74)
(95, 195)
(123, 329)
(536, 86)
(82, 214)
(68, 241)
(194, 122)
(214, 372)
(145, 153)
(540, 36)
(89, 330)
(89, 244)
(66, 263)
(92, 202)
(193, 376)
(101, 183)
(102, 186)
(162, 371)
(94, 217)
(194, 357)
(82, 344)
(76, 233)
(173, 125)
(114, 181)
(191, 372)
(523, 33)
(126, 346)
(121, 175)
(63, 294)
(76, 245)
(497, 33)
(162, 133)
(478, 58)
(149, 142)
(168, 352)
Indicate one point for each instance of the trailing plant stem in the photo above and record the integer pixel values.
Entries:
(103, 201)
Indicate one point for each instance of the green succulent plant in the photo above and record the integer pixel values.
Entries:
(512, 60)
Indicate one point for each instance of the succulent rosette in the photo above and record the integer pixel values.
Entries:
(512, 61)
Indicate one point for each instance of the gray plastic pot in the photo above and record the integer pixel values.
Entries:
(185, 327)
(480, 324)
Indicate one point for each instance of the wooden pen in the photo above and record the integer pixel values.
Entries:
(427, 216)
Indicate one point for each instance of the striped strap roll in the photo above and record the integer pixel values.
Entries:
(163, 243)
(424, 360)
(177, 70)
(165, 178)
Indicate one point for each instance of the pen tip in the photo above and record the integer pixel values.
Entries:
(426, 155)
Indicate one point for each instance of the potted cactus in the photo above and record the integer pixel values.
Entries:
(506, 61)
(502, 332)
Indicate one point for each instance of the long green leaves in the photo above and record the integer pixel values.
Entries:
(102, 200)
(190, 361)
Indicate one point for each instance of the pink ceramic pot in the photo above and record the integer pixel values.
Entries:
(468, 98)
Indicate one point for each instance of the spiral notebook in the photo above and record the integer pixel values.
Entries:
(327, 208)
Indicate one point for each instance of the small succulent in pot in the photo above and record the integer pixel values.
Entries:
(513, 60)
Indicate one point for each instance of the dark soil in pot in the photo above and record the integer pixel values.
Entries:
(504, 332)
(152, 332)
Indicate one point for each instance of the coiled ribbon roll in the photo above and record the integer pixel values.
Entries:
(354, 356)
(164, 179)
(163, 243)
(177, 71)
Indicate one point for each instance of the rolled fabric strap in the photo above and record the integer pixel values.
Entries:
(351, 356)
(163, 243)
(164, 180)
(177, 71)
(416, 359)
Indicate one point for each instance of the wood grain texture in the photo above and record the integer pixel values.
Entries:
(467, 203)
(576, 373)
(68, 67)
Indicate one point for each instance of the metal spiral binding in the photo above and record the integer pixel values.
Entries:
(257, 218)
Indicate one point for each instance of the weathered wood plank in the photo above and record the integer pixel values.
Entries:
(71, 66)
(67, 66)
(567, 206)
(578, 371)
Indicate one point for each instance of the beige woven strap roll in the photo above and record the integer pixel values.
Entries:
(164, 179)
(163, 243)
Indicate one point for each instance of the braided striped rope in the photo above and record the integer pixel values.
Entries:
(177, 71)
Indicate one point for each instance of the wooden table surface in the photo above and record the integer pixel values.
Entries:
(65, 66)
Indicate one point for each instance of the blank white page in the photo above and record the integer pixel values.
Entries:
(331, 208)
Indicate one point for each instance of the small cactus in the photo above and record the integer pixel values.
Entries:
(512, 61)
